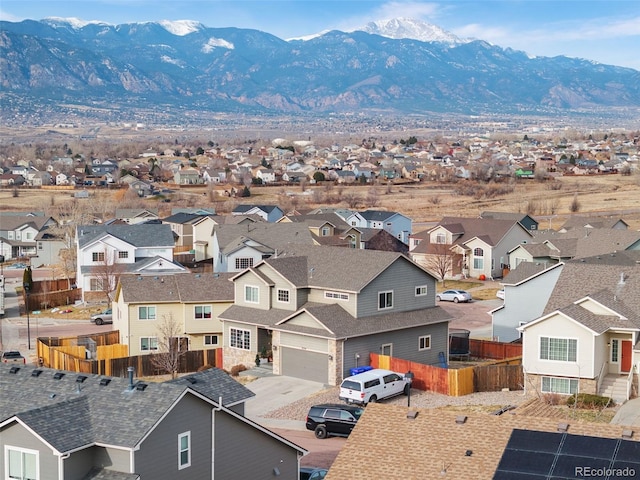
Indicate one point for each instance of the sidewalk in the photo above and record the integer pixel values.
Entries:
(628, 414)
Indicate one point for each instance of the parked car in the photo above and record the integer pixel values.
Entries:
(312, 473)
(102, 317)
(18, 265)
(454, 296)
(500, 294)
(333, 419)
(373, 385)
(13, 357)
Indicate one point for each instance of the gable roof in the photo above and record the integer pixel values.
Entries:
(185, 287)
(379, 215)
(515, 216)
(243, 208)
(527, 270)
(138, 235)
(272, 236)
(490, 230)
(68, 414)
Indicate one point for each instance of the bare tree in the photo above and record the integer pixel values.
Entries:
(107, 272)
(440, 260)
(373, 197)
(352, 199)
(171, 346)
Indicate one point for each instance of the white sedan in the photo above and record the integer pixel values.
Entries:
(454, 296)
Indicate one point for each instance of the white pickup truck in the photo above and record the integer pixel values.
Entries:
(373, 385)
(13, 357)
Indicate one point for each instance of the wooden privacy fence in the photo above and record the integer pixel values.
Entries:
(457, 382)
(497, 350)
(110, 358)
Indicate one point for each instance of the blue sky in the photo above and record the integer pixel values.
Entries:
(604, 31)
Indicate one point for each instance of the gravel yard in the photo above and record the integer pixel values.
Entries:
(480, 401)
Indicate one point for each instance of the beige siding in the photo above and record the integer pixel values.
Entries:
(250, 278)
(305, 320)
(307, 343)
(558, 326)
(318, 296)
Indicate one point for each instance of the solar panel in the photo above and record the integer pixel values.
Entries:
(533, 455)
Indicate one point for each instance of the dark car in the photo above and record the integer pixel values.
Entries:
(333, 419)
(312, 473)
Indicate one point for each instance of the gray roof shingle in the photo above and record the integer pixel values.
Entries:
(184, 287)
(139, 235)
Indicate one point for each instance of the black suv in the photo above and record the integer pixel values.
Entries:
(333, 419)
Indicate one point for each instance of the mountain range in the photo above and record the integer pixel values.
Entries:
(401, 66)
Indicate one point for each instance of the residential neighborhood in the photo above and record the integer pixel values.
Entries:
(201, 294)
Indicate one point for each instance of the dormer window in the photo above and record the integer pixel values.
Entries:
(325, 231)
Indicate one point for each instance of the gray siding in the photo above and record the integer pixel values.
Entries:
(158, 454)
(79, 463)
(405, 346)
(16, 435)
(402, 277)
(233, 460)
(523, 303)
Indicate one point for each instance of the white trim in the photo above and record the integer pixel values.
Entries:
(8, 448)
(429, 342)
(243, 330)
(420, 287)
(385, 292)
(257, 291)
(288, 292)
(540, 337)
(182, 466)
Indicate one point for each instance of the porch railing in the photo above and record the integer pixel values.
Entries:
(601, 376)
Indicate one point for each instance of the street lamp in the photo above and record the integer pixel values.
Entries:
(409, 376)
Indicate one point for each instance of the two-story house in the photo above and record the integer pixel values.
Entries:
(476, 247)
(323, 310)
(61, 425)
(236, 247)
(105, 252)
(395, 223)
(192, 302)
(20, 232)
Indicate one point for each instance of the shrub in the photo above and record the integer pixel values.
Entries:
(588, 400)
(553, 399)
(236, 369)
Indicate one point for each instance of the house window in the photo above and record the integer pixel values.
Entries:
(210, 340)
(325, 231)
(239, 338)
(353, 223)
(21, 463)
(559, 349)
(97, 256)
(421, 290)
(441, 238)
(96, 284)
(28, 236)
(202, 311)
(251, 294)
(244, 263)
(146, 313)
(148, 343)
(385, 300)
(283, 295)
(478, 259)
(424, 342)
(336, 295)
(39, 245)
(615, 350)
(123, 254)
(565, 386)
(184, 450)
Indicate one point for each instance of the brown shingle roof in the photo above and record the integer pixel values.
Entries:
(386, 444)
(183, 287)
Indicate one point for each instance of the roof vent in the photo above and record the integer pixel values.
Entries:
(627, 434)
(81, 378)
(563, 427)
(36, 373)
(461, 419)
(141, 387)
(104, 382)
(58, 375)
(191, 380)
(412, 414)
(14, 370)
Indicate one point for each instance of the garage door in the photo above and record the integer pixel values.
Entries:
(304, 364)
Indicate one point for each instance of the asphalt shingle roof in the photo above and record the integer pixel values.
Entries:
(70, 415)
(273, 235)
(139, 235)
(184, 287)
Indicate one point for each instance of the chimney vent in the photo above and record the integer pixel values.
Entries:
(130, 371)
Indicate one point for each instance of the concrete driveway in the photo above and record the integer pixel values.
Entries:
(628, 414)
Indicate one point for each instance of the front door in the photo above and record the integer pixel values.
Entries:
(627, 353)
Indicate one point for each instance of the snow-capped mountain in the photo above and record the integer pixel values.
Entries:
(398, 28)
(184, 64)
